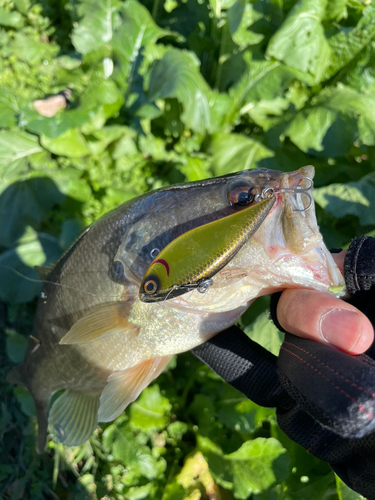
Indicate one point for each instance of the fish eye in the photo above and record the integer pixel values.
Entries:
(150, 287)
(241, 193)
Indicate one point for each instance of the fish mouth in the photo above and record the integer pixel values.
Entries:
(291, 235)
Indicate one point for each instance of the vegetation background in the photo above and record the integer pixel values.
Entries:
(161, 92)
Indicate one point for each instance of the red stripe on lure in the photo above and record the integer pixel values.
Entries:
(165, 264)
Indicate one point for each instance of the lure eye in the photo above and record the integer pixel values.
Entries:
(150, 287)
(241, 194)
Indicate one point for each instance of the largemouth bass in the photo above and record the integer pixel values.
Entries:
(96, 339)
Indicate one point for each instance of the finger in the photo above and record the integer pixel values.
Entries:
(320, 316)
(339, 259)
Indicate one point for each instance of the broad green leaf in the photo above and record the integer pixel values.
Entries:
(348, 43)
(14, 146)
(25, 203)
(8, 110)
(264, 80)
(336, 10)
(234, 152)
(300, 42)
(26, 401)
(257, 465)
(177, 75)
(195, 476)
(57, 125)
(220, 467)
(346, 493)
(334, 120)
(137, 31)
(241, 17)
(355, 198)
(150, 410)
(195, 169)
(102, 138)
(96, 27)
(71, 144)
(18, 281)
(15, 345)
(11, 19)
(265, 333)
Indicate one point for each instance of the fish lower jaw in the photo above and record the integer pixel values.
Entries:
(316, 269)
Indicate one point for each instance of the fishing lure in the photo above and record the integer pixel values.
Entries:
(189, 261)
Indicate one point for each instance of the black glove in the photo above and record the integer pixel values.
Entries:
(325, 399)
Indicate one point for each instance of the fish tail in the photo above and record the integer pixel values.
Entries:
(74, 417)
(41, 406)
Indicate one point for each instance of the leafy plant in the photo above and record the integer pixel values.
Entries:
(150, 94)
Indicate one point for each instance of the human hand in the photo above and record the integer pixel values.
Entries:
(324, 397)
(322, 317)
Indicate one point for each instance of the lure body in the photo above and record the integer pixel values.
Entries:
(200, 253)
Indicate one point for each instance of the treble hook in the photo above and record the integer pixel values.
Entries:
(270, 191)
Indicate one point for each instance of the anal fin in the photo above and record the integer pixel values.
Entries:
(125, 386)
(74, 416)
(100, 321)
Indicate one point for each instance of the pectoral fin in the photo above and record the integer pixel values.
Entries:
(125, 386)
(101, 321)
(74, 416)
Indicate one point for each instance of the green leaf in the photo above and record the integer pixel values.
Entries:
(334, 120)
(101, 139)
(150, 411)
(125, 449)
(71, 144)
(336, 10)
(265, 333)
(264, 80)
(16, 346)
(253, 468)
(355, 198)
(96, 27)
(16, 145)
(220, 467)
(241, 16)
(57, 125)
(30, 50)
(25, 203)
(346, 493)
(234, 152)
(177, 75)
(300, 42)
(8, 109)
(18, 282)
(10, 19)
(26, 401)
(137, 30)
(348, 43)
(257, 465)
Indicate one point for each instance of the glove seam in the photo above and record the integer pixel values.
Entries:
(353, 384)
(360, 408)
